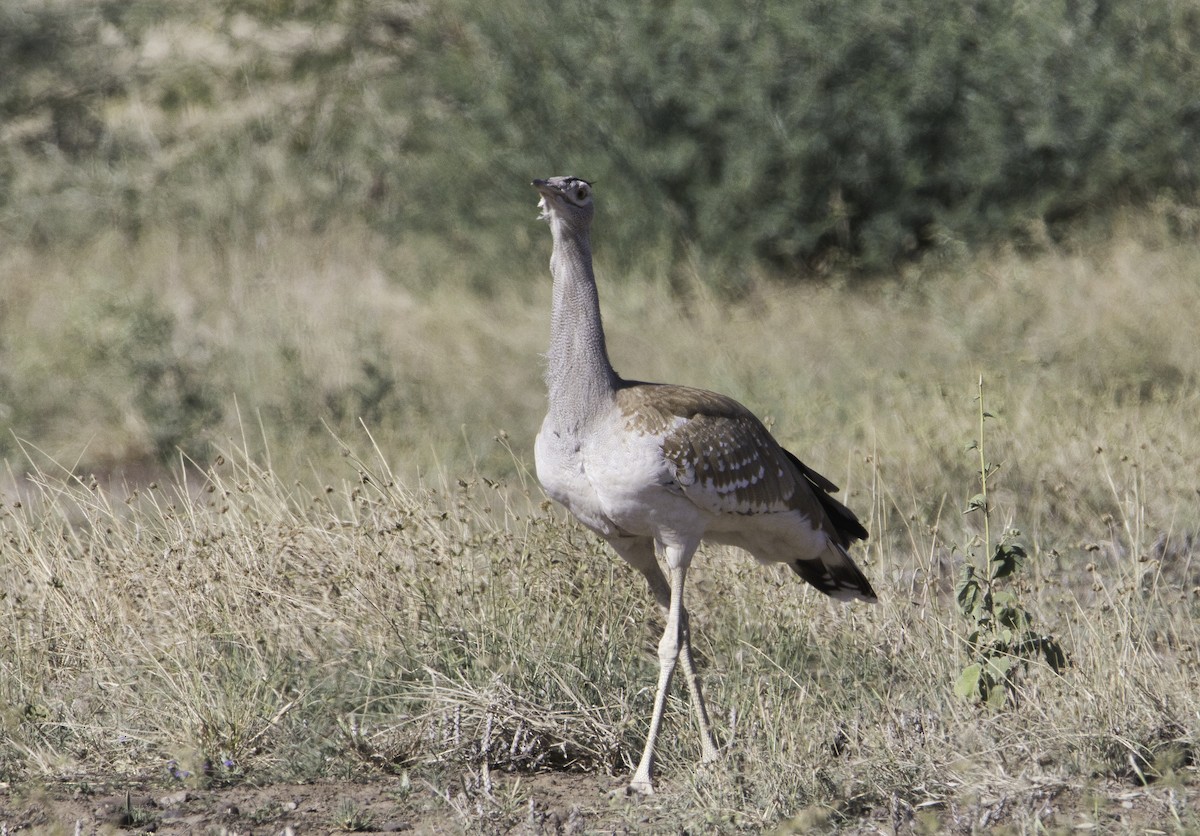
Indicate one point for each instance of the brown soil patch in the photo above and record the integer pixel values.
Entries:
(544, 803)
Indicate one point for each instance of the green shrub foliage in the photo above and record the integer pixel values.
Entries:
(877, 127)
(750, 129)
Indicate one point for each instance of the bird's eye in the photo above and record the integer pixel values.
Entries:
(581, 193)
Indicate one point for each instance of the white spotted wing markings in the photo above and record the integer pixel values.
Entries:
(723, 458)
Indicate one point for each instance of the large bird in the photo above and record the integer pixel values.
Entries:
(653, 467)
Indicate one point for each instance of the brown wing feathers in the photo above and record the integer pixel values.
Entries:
(727, 449)
(727, 461)
(844, 520)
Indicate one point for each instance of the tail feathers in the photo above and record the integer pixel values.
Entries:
(845, 523)
(834, 573)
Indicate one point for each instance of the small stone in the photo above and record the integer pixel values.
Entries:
(175, 799)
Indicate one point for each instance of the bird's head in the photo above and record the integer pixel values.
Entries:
(566, 200)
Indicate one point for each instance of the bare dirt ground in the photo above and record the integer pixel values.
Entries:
(547, 803)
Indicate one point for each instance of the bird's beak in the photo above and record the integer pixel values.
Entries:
(548, 191)
(546, 188)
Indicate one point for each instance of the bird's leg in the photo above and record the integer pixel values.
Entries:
(668, 654)
(708, 746)
(640, 554)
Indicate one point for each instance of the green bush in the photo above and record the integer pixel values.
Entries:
(874, 128)
(787, 133)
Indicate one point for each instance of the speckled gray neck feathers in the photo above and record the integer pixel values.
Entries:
(580, 377)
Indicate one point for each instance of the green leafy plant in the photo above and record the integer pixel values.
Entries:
(1001, 641)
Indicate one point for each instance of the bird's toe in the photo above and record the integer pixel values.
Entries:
(635, 789)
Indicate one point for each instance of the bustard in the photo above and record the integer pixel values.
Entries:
(656, 467)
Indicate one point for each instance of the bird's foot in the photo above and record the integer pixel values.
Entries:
(631, 791)
(638, 787)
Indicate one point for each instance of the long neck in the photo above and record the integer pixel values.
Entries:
(580, 377)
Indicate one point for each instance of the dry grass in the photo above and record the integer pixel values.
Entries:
(297, 606)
